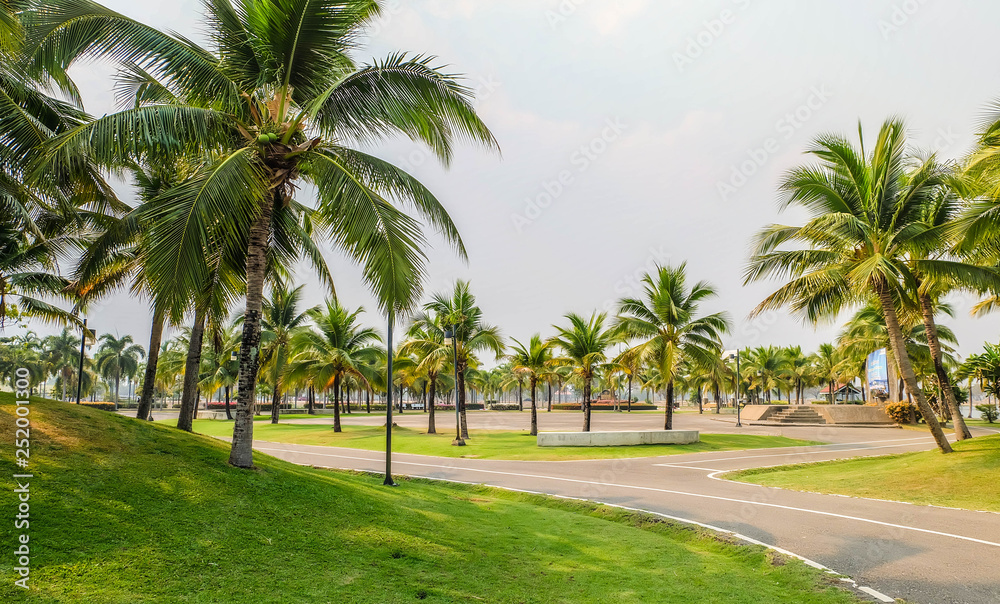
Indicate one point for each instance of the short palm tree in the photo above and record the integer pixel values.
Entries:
(62, 353)
(276, 101)
(532, 362)
(459, 313)
(666, 322)
(118, 357)
(280, 320)
(334, 346)
(425, 342)
(866, 207)
(584, 344)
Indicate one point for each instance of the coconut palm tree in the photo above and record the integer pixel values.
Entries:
(425, 343)
(335, 345)
(62, 354)
(532, 362)
(275, 101)
(280, 320)
(666, 322)
(219, 369)
(459, 312)
(799, 369)
(584, 345)
(866, 207)
(828, 362)
(117, 357)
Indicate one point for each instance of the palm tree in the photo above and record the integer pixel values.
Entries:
(472, 335)
(425, 342)
(866, 209)
(533, 362)
(583, 345)
(62, 353)
(117, 357)
(280, 320)
(334, 346)
(219, 370)
(666, 321)
(277, 99)
(799, 369)
(828, 366)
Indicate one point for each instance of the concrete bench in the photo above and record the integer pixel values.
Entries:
(616, 439)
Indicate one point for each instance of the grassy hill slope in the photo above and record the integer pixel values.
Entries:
(124, 511)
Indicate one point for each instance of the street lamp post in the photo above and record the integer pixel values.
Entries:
(388, 405)
(79, 375)
(451, 340)
(739, 385)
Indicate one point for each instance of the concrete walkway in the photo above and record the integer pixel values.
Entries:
(920, 553)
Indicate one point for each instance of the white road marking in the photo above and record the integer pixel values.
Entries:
(803, 452)
(667, 491)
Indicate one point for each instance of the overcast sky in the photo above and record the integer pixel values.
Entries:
(638, 132)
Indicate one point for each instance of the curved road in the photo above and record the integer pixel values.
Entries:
(920, 553)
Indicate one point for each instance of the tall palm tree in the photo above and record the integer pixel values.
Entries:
(277, 99)
(280, 320)
(666, 322)
(219, 370)
(459, 312)
(117, 357)
(799, 369)
(533, 362)
(584, 345)
(332, 347)
(866, 208)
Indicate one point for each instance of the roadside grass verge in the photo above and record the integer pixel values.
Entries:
(965, 478)
(483, 444)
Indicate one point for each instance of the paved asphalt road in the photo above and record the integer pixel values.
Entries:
(923, 554)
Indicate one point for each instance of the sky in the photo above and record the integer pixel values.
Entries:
(642, 132)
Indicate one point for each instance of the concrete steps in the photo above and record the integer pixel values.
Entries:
(797, 415)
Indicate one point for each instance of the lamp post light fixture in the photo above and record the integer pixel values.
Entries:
(735, 354)
(388, 403)
(450, 340)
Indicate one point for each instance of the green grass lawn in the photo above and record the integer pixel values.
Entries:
(963, 479)
(130, 512)
(492, 444)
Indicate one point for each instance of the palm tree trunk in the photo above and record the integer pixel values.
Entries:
(549, 408)
(229, 414)
(310, 401)
(586, 404)
(460, 400)
(630, 393)
(368, 399)
(189, 396)
(944, 383)
(668, 423)
(336, 403)
(432, 378)
(909, 377)
(534, 409)
(701, 409)
(275, 402)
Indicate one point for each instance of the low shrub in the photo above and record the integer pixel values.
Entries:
(101, 406)
(900, 412)
(990, 412)
(509, 406)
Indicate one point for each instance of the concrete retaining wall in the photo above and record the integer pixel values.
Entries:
(616, 439)
(759, 413)
(852, 414)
